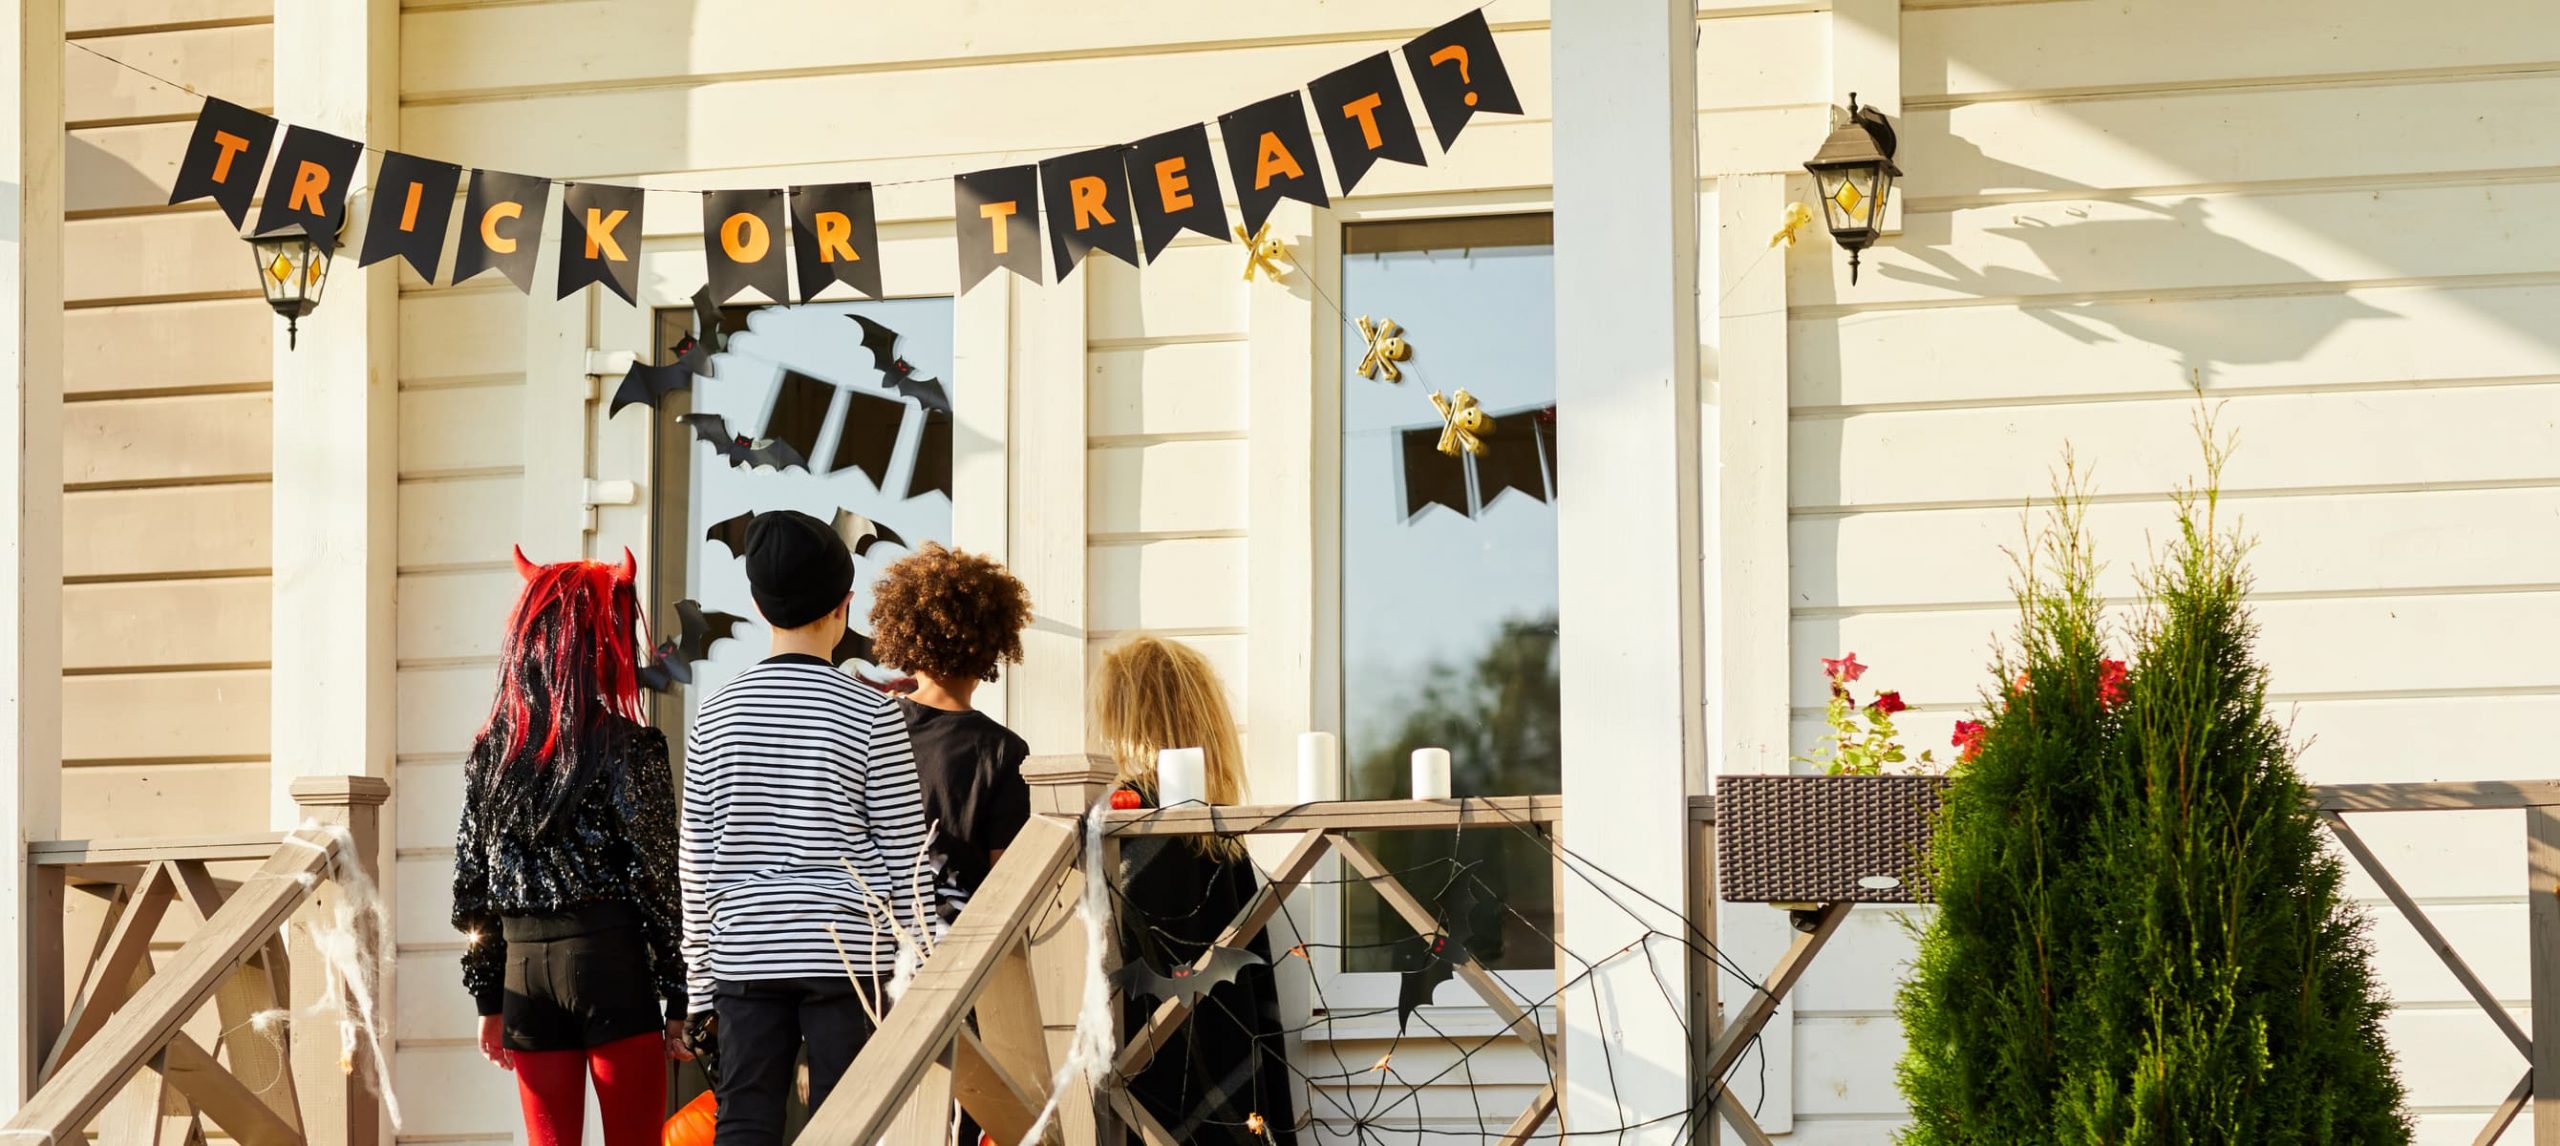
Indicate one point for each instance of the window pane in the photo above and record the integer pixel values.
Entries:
(1449, 566)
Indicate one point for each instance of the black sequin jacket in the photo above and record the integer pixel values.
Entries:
(618, 845)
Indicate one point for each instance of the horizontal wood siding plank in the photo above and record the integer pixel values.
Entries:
(123, 168)
(462, 428)
(177, 799)
(1189, 292)
(2084, 350)
(225, 343)
(237, 64)
(473, 1099)
(196, 438)
(1172, 487)
(2036, 47)
(142, 257)
(1185, 388)
(2359, 543)
(2293, 441)
(164, 624)
(81, 17)
(451, 616)
(467, 521)
(442, 708)
(165, 716)
(430, 800)
(165, 532)
(1186, 584)
(463, 333)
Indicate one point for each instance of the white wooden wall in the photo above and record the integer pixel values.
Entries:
(165, 437)
(2327, 211)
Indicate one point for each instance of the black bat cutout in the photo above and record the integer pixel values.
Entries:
(740, 452)
(732, 533)
(882, 342)
(861, 533)
(697, 631)
(1436, 960)
(645, 385)
(1187, 982)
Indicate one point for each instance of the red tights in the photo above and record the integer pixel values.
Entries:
(631, 1087)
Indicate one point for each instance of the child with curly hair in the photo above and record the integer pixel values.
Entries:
(950, 618)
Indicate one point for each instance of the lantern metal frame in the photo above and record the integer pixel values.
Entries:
(1853, 176)
(293, 270)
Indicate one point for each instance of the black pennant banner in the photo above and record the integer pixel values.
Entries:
(1427, 476)
(1173, 181)
(835, 238)
(501, 227)
(1272, 156)
(1459, 73)
(412, 201)
(869, 437)
(996, 216)
(600, 239)
(307, 191)
(224, 158)
(1086, 196)
(1365, 119)
(1523, 460)
(742, 244)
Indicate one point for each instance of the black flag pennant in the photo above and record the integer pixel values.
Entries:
(1517, 464)
(1365, 119)
(1459, 73)
(996, 214)
(600, 239)
(501, 227)
(1428, 476)
(835, 238)
(224, 158)
(1087, 198)
(412, 202)
(869, 437)
(1173, 184)
(307, 191)
(1272, 156)
(932, 472)
(800, 412)
(742, 244)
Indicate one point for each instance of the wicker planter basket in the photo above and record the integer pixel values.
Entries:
(1825, 839)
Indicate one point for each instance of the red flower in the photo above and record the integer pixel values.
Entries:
(1968, 738)
(1844, 670)
(2111, 676)
(1887, 703)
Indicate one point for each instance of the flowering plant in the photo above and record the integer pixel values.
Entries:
(1863, 739)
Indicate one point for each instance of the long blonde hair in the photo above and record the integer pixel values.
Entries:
(1153, 694)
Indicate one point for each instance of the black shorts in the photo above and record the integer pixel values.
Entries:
(578, 980)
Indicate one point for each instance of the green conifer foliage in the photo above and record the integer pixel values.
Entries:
(2141, 938)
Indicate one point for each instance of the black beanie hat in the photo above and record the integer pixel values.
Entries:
(797, 567)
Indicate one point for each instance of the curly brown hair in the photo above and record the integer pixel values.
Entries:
(948, 614)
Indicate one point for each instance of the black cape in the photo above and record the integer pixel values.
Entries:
(1230, 1060)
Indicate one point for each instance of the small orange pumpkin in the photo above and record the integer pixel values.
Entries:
(692, 1124)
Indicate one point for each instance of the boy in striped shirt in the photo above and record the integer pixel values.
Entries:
(797, 778)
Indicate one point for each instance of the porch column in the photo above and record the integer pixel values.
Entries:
(30, 520)
(336, 445)
(1629, 525)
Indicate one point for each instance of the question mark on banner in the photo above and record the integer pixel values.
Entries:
(1456, 52)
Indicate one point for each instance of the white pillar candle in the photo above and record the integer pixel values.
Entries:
(1319, 767)
(1431, 773)
(1182, 776)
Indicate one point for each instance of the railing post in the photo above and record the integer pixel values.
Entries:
(1064, 787)
(339, 1107)
(2542, 887)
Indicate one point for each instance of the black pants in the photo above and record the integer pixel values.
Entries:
(762, 1026)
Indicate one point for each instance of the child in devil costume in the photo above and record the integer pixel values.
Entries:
(564, 879)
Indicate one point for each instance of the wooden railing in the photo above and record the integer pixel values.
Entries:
(1017, 957)
(122, 1055)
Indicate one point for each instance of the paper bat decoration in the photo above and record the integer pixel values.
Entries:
(741, 452)
(861, 533)
(644, 385)
(732, 533)
(1186, 982)
(853, 647)
(882, 342)
(672, 663)
(1430, 965)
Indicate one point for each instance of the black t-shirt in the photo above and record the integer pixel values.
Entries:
(974, 797)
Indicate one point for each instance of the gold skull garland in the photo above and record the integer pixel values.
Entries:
(1386, 348)
(1263, 252)
(1465, 425)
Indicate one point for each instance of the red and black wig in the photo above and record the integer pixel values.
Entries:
(568, 686)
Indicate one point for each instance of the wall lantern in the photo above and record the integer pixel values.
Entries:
(1854, 173)
(292, 269)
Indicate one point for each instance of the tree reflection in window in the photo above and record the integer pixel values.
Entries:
(1448, 568)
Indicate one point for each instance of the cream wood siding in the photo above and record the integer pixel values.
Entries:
(2326, 213)
(166, 449)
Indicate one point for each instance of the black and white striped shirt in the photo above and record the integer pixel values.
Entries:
(793, 771)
